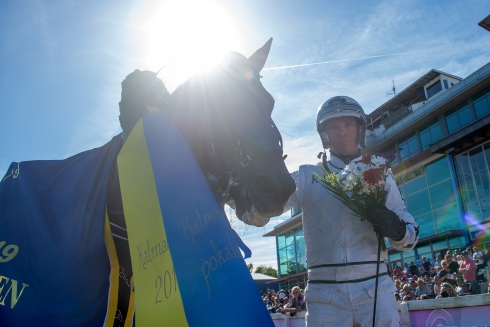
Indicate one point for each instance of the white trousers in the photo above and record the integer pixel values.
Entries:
(338, 305)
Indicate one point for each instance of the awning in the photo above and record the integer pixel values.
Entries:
(468, 136)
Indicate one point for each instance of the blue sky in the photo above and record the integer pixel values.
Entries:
(62, 62)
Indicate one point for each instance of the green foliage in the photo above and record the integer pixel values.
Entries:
(269, 271)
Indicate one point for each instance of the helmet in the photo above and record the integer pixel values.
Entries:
(340, 106)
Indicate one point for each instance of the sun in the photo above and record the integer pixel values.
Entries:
(188, 36)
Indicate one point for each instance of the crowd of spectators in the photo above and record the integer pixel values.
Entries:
(285, 301)
(455, 274)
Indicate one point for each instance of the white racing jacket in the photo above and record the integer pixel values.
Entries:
(339, 246)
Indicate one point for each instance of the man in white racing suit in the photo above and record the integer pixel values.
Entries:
(341, 250)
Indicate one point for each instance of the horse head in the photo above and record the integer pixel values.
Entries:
(225, 115)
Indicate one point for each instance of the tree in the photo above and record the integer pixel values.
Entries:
(250, 267)
(269, 271)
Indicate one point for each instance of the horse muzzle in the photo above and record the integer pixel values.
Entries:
(270, 193)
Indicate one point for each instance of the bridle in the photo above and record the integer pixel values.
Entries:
(220, 179)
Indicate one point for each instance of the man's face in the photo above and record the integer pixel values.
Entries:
(343, 135)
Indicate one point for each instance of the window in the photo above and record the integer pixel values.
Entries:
(431, 198)
(291, 252)
(474, 178)
(430, 134)
(295, 211)
(442, 194)
(458, 117)
(419, 203)
(427, 225)
(447, 218)
(481, 103)
(445, 84)
(416, 185)
(434, 89)
(408, 147)
(437, 171)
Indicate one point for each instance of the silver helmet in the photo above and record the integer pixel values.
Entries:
(341, 106)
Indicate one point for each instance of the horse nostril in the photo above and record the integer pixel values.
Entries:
(264, 184)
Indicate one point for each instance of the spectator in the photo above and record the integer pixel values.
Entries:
(486, 256)
(452, 265)
(459, 259)
(425, 263)
(296, 303)
(461, 287)
(397, 271)
(447, 290)
(470, 253)
(407, 292)
(432, 272)
(412, 284)
(268, 304)
(445, 274)
(281, 294)
(478, 258)
(422, 289)
(406, 270)
(468, 269)
(397, 296)
(423, 273)
(398, 286)
(455, 254)
(437, 262)
(437, 286)
(413, 268)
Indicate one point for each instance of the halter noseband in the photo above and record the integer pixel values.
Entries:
(223, 180)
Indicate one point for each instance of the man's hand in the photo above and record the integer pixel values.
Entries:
(386, 222)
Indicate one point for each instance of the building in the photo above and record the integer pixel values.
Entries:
(439, 128)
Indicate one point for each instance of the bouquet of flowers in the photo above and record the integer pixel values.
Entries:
(360, 184)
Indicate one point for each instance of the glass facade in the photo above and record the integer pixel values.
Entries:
(474, 180)
(292, 252)
(430, 250)
(431, 198)
(481, 103)
(430, 134)
(408, 147)
(458, 117)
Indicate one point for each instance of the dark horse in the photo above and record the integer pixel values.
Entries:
(54, 266)
(225, 115)
(233, 135)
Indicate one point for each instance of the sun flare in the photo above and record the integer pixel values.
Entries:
(188, 36)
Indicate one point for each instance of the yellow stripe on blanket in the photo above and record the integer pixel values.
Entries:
(158, 299)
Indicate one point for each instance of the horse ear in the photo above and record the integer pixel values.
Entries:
(257, 60)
